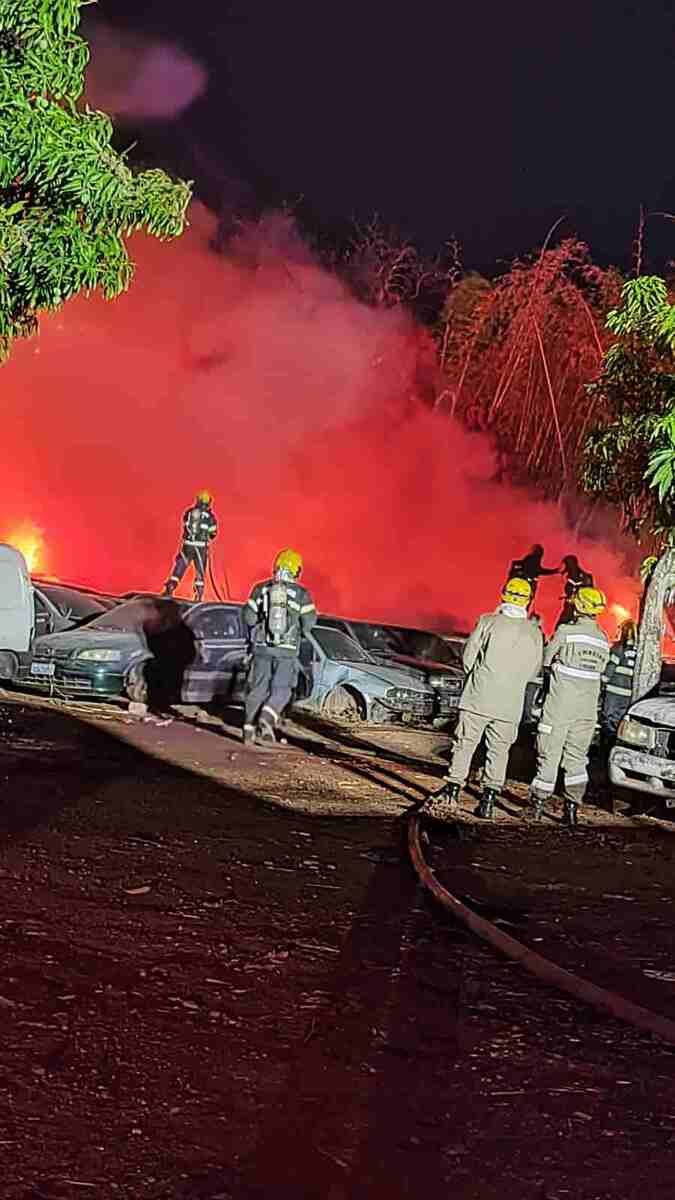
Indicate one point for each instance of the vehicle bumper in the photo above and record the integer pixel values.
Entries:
(417, 711)
(94, 681)
(642, 772)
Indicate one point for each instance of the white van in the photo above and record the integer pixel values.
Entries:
(17, 609)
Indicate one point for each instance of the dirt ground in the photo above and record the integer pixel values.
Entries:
(220, 978)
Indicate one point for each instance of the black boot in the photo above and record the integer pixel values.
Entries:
(486, 807)
(570, 813)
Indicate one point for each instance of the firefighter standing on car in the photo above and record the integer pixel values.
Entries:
(618, 679)
(576, 658)
(501, 656)
(199, 529)
(278, 613)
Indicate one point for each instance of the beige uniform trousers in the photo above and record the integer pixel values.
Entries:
(499, 738)
(564, 744)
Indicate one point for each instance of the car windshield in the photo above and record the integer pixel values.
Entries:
(391, 640)
(73, 604)
(135, 615)
(338, 646)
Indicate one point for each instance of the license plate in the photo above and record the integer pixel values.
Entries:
(39, 668)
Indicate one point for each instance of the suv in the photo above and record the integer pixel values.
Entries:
(643, 756)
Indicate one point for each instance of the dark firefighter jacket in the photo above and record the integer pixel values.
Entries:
(199, 527)
(530, 568)
(302, 615)
(618, 678)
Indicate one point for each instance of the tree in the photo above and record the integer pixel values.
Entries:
(67, 198)
(517, 359)
(629, 457)
(385, 269)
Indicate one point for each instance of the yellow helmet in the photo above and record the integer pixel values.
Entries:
(590, 601)
(204, 497)
(517, 591)
(288, 560)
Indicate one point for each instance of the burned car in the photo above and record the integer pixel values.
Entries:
(184, 651)
(434, 661)
(343, 681)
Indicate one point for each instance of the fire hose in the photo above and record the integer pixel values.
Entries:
(214, 585)
(542, 968)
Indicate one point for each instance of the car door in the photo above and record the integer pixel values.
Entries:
(217, 669)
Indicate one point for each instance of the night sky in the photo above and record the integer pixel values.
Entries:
(485, 121)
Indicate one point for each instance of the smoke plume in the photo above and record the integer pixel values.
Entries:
(307, 414)
(135, 77)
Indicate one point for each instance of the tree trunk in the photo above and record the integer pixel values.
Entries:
(648, 662)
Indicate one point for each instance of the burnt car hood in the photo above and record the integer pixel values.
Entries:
(421, 666)
(61, 645)
(392, 676)
(660, 710)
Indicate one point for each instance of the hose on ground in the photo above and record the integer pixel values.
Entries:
(542, 968)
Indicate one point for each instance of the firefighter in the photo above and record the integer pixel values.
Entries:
(502, 655)
(575, 578)
(530, 567)
(576, 658)
(199, 529)
(279, 613)
(618, 679)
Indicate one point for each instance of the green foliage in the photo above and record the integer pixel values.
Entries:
(629, 457)
(67, 198)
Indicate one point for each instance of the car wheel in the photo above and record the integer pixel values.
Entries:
(343, 705)
(135, 685)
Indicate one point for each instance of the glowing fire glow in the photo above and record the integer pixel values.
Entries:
(621, 613)
(30, 542)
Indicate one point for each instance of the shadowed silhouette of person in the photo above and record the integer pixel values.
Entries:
(172, 646)
(575, 577)
(531, 567)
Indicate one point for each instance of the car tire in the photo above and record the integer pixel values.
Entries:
(343, 705)
(135, 684)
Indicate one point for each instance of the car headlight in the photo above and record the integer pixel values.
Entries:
(100, 655)
(636, 734)
(449, 682)
(404, 694)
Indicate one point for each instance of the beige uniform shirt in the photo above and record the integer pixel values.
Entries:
(500, 658)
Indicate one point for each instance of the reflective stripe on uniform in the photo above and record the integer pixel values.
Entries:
(541, 728)
(570, 780)
(540, 785)
(576, 672)
(619, 691)
(293, 604)
(308, 608)
(186, 543)
(586, 640)
(253, 604)
(267, 708)
(625, 670)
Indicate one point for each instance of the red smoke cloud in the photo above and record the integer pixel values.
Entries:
(307, 414)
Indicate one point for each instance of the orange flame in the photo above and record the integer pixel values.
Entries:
(30, 542)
